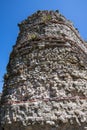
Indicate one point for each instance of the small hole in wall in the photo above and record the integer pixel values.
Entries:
(53, 128)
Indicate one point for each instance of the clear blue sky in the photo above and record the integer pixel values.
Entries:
(13, 12)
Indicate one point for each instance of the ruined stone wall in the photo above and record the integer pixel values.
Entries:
(46, 82)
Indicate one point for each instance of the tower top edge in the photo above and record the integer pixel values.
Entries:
(43, 15)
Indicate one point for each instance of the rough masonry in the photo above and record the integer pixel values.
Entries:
(45, 86)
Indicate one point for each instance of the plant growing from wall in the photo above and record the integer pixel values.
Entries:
(46, 18)
(32, 36)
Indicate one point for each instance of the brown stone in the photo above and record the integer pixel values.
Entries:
(46, 82)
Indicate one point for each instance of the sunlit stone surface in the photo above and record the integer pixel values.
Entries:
(45, 87)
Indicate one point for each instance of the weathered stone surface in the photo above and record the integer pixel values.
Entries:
(45, 85)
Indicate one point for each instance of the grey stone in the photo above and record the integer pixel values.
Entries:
(45, 86)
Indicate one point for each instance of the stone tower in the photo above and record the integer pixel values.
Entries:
(45, 86)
